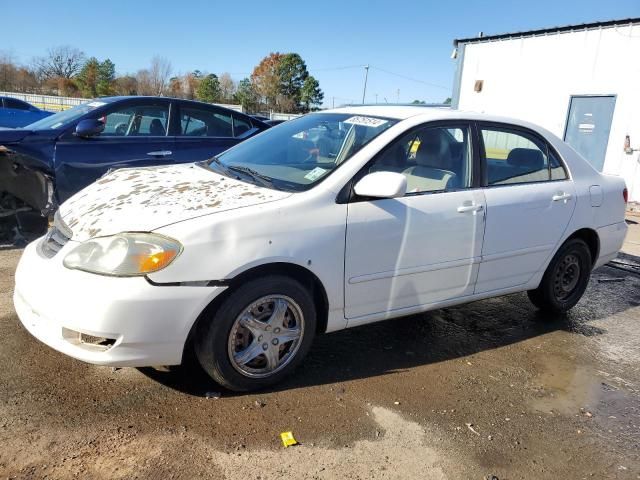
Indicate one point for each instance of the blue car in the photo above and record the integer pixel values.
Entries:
(15, 113)
(44, 163)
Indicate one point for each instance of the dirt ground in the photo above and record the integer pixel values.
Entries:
(488, 389)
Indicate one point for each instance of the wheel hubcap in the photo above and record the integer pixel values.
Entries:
(266, 336)
(566, 276)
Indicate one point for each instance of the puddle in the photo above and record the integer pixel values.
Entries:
(606, 405)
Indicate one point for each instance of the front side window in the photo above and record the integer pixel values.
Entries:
(513, 157)
(300, 153)
(200, 122)
(136, 121)
(433, 159)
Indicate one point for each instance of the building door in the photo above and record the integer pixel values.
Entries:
(588, 126)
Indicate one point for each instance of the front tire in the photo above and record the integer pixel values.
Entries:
(259, 333)
(565, 280)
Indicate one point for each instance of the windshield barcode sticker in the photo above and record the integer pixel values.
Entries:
(366, 121)
(315, 174)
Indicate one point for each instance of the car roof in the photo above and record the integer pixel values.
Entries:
(427, 113)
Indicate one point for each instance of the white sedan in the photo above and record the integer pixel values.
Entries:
(333, 220)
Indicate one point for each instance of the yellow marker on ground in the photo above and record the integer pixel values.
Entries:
(287, 439)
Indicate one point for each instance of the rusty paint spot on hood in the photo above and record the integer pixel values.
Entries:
(144, 199)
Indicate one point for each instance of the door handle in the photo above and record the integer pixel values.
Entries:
(160, 153)
(470, 208)
(558, 197)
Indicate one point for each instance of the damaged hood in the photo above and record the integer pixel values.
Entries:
(145, 199)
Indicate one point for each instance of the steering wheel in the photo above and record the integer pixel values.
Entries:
(121, 129)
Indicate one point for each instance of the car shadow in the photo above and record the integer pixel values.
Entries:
(396, 345)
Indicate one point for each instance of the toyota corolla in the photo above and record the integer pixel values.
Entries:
(333, 220)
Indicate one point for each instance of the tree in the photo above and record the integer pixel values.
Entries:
(191, 83)
(227, 87)
(60, 62)
(209, 89)
(266, 78)
(106, 76)
(292, 72)
(126, 85)
(159, 75)
(310, 95)
(88, 78)
(246, 95)
(143, 82)
(175, 87)
(447, 101)
(418, 102)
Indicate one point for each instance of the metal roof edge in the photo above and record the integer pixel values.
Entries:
(543, 31)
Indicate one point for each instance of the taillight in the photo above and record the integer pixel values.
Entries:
(625, 195)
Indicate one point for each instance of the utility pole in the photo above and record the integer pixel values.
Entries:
(366, 74)
(333, 102)
(376, 98)
(398, 98)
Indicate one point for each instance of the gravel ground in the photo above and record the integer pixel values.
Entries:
(490, 388)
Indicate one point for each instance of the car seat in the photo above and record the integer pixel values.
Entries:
(434, 161)
(156, 129)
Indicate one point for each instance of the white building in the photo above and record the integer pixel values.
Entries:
(582, 82)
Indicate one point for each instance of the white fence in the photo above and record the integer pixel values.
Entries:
(283, 116)
(54, 103)
(51, 103)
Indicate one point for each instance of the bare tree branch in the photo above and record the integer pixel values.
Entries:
(60, 62)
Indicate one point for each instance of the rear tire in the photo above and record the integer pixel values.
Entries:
(566, 278)
(258, 335)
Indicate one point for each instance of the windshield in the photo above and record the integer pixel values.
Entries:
(300, 153)
(61, 118)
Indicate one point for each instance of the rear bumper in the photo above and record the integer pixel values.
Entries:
(148, 325)
(611, 240)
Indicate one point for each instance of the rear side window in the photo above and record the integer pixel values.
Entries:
(513, 156)
(203, 122)
(240, 126)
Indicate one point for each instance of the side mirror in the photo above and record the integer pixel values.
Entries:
(89, 127)
(382, 185)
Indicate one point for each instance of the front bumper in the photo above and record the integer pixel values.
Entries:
(149, 324)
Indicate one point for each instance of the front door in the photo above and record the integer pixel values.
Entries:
(588, 126)
(135, 135)
(405, 253)
(530, 200)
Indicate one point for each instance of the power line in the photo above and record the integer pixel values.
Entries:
(410, 78)
(336, 68)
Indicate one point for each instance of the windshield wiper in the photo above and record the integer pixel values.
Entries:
(266, 181)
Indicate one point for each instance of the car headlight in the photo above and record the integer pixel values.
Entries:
(124, 255)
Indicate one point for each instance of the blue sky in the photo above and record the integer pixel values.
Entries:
(409, 38)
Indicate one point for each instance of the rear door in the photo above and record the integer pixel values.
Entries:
(205, 131)
(135, 135)
(530, 200)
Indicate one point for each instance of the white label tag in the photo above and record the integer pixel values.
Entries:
(366, 121)
(315, 174)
